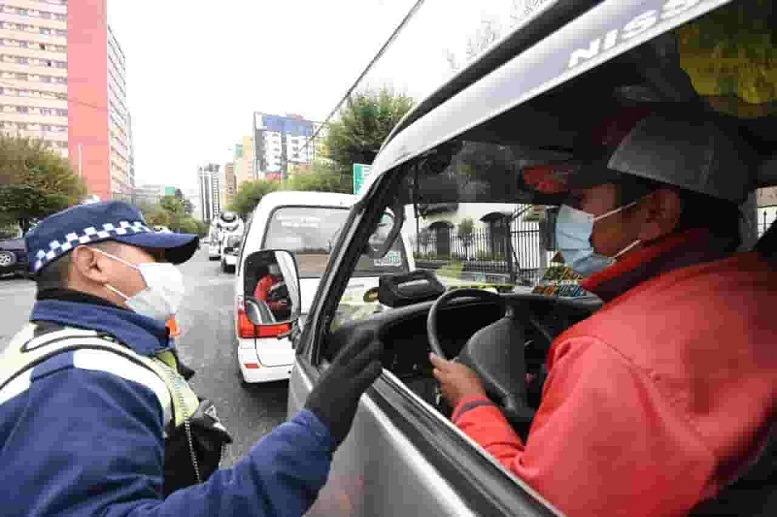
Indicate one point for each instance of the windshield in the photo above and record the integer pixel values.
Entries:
(310, 234)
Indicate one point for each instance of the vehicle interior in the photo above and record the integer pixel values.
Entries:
(506, 337)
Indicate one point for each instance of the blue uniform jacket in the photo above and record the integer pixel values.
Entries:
(87, 442)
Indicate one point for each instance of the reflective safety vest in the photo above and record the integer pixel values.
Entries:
(194, 437)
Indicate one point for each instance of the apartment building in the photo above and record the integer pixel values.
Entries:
(62, 80)
(228, 184)
(281, 142)
(210, 191)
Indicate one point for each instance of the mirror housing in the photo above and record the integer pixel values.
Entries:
(378, 245)
(272, 292)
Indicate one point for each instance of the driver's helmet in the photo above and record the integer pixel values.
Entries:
(274, 270)
(694, 151)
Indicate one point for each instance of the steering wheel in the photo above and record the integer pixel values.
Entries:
(495, 353)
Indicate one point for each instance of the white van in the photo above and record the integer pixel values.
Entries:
(307, 224)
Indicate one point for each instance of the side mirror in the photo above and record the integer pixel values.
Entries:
(386, 233)
(272, 290)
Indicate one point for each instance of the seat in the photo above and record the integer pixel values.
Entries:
(755, 492)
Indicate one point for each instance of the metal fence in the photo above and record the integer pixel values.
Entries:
(493, 254)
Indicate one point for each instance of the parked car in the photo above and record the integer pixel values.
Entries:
(13, 257)
(229, 251)
(529, 99)
(307, 224)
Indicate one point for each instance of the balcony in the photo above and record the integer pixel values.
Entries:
(33, 102)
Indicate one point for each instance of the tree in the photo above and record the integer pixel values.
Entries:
(489, 31)
(365, 121)
(35, 181)
(170, 211)
(465, 231)
(249, 194)
(321, 178)
(485, 35)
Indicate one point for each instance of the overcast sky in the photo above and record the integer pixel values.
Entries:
(197, 69)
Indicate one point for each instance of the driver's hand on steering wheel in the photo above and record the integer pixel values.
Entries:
(456, 380)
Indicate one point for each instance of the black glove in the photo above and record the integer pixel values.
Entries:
(336, 396)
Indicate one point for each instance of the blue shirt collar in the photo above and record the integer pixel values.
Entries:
(143, 335)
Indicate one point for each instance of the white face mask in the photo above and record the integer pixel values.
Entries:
(164, 290)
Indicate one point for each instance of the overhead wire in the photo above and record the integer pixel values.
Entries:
(413, 10)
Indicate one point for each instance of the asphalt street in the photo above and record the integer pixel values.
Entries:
(207, 344)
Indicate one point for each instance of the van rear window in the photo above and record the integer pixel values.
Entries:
(310, 234)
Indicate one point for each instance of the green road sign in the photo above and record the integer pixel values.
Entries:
(360, 174)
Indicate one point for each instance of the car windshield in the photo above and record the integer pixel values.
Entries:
(310, 234)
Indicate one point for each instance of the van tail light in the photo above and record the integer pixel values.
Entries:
(277, 330)
(247, 330)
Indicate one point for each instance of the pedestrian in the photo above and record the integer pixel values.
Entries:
(96, 416)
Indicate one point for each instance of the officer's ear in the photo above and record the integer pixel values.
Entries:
(88, 263)
(660, 212)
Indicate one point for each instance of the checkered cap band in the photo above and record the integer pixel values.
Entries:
(90, 234)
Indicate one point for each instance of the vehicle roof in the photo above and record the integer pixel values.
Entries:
(521, 68)
(306, 198)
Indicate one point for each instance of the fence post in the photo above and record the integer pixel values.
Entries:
(508, 237)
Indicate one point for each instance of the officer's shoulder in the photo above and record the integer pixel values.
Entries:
(80, 355)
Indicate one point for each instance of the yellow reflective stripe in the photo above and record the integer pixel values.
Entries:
(168, 358)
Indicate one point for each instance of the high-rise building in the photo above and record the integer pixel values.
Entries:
(280, 142)
(62, 80)
(149, 194)
(244, 161)
(210, 191)
(228, 183)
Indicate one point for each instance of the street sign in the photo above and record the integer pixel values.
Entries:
(360, 174)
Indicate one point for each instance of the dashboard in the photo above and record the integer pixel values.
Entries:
(403, 330)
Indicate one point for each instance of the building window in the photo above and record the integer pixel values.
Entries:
(61, 112)
(21, 77)
(61, 32)
(45, 30)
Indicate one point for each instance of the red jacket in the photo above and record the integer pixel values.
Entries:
(653, 403)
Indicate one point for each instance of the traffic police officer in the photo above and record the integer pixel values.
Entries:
(96, 416)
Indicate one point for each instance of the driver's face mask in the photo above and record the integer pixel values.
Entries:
(573, 236)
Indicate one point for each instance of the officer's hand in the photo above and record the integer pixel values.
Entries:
(456, 380)
(336, 396)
